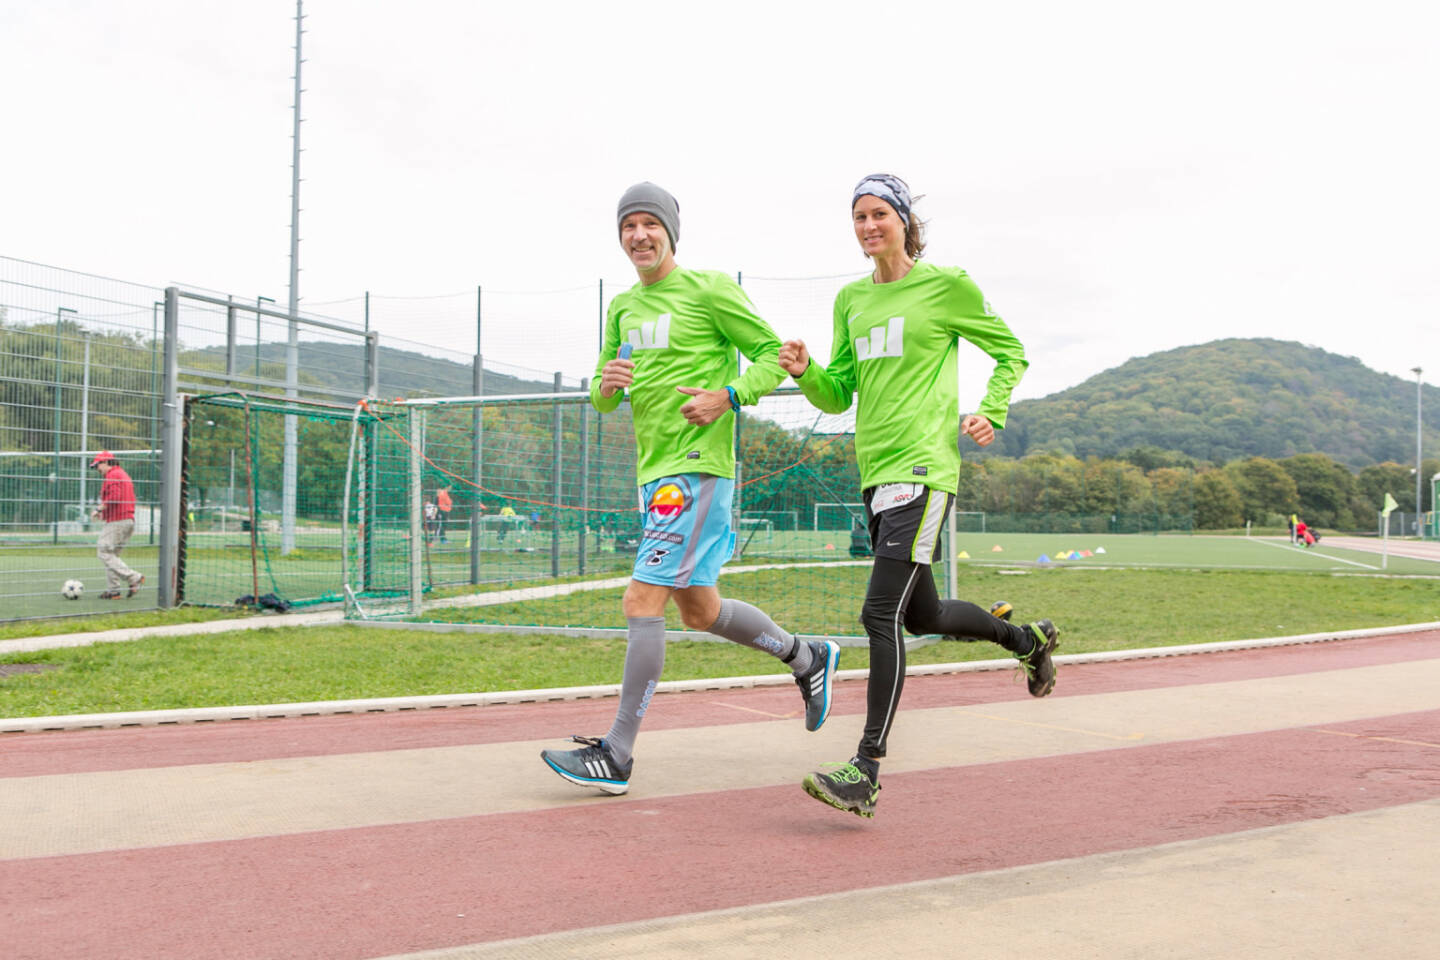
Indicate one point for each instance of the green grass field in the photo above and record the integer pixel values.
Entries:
(1097, 609)
(218, 568)
(1181, 551)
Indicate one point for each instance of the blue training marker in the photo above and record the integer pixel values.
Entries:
(626, 349)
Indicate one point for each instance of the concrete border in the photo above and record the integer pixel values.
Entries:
(124, 634)
(139, 718)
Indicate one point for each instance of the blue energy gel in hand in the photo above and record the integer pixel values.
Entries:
(625, 350)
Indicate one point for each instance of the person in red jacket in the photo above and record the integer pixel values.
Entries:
(117, 512)
(444, 504)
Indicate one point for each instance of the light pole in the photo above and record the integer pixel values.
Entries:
(1417, 371)
(290, 473)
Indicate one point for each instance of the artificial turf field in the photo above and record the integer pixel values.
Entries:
(219, 567)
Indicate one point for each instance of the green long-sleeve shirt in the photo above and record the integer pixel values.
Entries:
(685, 330)
(895, 345)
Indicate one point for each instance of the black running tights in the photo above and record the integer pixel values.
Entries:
(902, 597)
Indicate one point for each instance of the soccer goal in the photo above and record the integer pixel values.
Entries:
(755, 530)
(837, 516)
(544, 522)
(783, 520)
(481, 491)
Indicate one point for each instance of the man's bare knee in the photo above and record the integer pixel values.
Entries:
(645, 599)
(699, 606)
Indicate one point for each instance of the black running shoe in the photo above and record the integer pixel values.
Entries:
(591, 766)
(1038, 666)
(1001, 609)
(844, 787)
(815, 686)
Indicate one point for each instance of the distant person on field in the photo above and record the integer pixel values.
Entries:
(1293, 521)
(432, 522)
(444, 504)
(670, 340)
(895, 345)
(506, 512)
(117, 512)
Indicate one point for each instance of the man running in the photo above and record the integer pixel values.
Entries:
(670, 337)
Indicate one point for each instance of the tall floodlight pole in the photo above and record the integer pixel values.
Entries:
(292, 346)
(1417, 371)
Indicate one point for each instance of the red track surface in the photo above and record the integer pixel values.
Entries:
(389, 889)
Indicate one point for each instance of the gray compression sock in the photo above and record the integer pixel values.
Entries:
(750, 626)
(644, 661)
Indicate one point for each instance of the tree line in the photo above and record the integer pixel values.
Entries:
(41, 373)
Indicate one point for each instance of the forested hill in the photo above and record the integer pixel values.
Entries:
(1218, 401)
(402, 372)
(1225, 400)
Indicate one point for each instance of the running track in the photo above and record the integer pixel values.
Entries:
(1272, 803)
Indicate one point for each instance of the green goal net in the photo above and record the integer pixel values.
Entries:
(522, 512)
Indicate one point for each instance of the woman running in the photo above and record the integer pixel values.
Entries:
(896, 336)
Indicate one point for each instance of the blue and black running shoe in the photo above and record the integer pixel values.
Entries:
(815, 686)
(593, 765)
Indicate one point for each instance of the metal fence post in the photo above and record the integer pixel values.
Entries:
(154, 405)
(230, 337)
(55, 488)
(85, 431)
(416, 416)
(477, 461)
(556, 452)
(172, 429)
(584, 473)
(372, 364)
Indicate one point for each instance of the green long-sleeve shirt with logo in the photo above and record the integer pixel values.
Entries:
(896, 345)
(685, 330)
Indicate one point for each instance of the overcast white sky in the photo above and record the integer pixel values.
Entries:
(1119, 177)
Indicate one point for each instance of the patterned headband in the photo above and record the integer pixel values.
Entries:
(890, 189)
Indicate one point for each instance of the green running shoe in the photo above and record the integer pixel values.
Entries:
(1038, 666)
(844, 787)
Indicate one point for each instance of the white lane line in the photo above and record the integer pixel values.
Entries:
(1308, 553)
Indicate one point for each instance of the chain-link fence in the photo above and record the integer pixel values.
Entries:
(89, 364)
(80, 363)
(84, 368)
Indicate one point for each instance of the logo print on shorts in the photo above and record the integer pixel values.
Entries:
(666, 503)
(657, 557)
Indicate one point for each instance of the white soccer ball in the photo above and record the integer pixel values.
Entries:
(72, 589)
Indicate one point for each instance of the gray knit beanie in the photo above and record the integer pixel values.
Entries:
(651, 199)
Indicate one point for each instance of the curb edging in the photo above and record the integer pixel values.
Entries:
(145, 718)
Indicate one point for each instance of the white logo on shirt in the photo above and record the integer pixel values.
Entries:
(886, 341)
(652, 336)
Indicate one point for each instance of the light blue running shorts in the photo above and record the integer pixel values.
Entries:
(687, 536)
